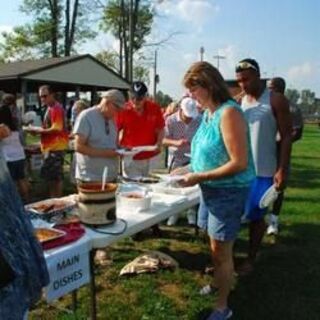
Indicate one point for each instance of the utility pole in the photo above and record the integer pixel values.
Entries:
(130, 62)
(201, 53)
(155, 74)
(219, 57)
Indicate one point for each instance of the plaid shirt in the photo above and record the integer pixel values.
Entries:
(176, 129)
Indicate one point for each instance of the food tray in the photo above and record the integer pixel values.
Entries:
(47, 234)
(51, 207)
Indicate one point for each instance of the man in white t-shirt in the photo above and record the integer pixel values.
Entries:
(96, 139)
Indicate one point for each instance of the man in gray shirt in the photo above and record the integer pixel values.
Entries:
(96, 139)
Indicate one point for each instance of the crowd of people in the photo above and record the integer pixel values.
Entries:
(235, 149)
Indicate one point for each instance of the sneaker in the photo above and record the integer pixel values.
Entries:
(273, 227)
(191, 216)
(172, 220)
(208, 289)
(220, 315)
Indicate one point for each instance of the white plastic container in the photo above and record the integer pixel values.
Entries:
(133, 197)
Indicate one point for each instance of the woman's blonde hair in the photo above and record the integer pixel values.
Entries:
(205, 75)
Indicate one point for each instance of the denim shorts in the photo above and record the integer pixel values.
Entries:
(258, 187)
(220, 211)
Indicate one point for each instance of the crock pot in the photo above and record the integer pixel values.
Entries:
(96, 206)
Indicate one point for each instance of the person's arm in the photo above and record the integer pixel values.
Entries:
(234, 130)
(82, 146)
(174, 143)
(4, 131)
(280, 107)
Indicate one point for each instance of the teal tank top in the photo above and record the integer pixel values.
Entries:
(208, 150)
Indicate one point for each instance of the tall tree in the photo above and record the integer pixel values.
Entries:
(56, 28)
(116, 19)
(293, 95)
(110, 59)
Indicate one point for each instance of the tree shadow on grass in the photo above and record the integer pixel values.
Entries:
(285, 282)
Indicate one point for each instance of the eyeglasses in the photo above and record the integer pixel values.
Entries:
(245, 65)
(43, 95)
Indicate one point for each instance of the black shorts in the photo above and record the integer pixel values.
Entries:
(52, 168)
(17, 169)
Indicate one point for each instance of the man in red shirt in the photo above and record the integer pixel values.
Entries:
(54, 140)
(141, 123)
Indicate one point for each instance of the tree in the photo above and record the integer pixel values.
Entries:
(293, 95)
(307, 101)
(116, 19)
(163, 99)
(111, 60)
(56, 28)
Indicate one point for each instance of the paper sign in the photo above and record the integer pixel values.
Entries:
(68, 271)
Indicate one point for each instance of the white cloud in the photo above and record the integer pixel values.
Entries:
(197, 12)
(303, 70)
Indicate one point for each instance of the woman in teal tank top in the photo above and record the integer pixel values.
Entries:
(221, 162)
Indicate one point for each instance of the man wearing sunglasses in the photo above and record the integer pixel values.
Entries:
(54, 140)
(267, 113)
(141, 123)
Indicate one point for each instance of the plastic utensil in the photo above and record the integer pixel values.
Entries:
(104, 178)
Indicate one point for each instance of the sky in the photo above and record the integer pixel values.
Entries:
(283, 36)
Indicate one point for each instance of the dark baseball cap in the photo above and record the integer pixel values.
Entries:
(139, 89)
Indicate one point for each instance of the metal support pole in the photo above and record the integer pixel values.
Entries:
(24, 94)
(74, 301)
(93, 298)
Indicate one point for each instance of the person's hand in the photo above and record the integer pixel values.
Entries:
(180, 171)
(280, 179)
(182, 142)
(4, 131)
(190, 179)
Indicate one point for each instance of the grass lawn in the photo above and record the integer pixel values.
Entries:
(285, 284)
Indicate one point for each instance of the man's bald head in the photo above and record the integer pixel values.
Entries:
(277, 84)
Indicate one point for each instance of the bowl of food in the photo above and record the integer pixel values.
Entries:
(136, 200)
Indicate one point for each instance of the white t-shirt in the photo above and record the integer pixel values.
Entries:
(12, 148)
(101, 134)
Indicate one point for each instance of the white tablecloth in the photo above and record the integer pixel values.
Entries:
(162, 207)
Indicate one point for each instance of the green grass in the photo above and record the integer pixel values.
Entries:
(285, 284)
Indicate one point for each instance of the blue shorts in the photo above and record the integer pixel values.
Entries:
(258, 187)
(220, 211)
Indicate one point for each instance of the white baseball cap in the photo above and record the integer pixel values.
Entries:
(189, 107)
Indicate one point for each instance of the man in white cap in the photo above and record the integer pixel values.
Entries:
(180, 128)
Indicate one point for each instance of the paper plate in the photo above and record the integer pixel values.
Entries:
(269, 197)
(127, 153)
(145, 148)
(173, 178)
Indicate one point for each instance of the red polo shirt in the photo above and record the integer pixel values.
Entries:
(140, 129)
